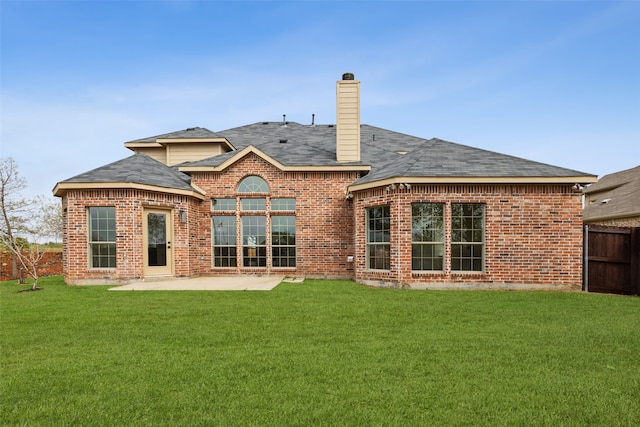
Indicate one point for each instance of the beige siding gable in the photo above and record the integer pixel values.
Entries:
(191, 152)
(156, 153)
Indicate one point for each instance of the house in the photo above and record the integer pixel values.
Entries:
(614, 200)
(348, 200)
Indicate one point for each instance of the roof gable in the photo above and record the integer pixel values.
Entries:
(221, 162)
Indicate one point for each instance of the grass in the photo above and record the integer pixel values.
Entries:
(317, 353)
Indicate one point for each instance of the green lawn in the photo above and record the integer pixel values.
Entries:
(317, 353)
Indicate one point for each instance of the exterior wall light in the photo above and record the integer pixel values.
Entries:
(183, 216)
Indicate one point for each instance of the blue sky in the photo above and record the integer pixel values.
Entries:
(555, 82)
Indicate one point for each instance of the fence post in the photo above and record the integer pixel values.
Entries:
(635, 259)
(585, 264)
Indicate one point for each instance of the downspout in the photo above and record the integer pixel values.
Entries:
(398, 239)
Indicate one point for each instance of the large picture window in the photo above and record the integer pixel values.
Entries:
(427, 236)
(102, 237)
(467, 236)
(266, 227)
(283, 241)
(224, 241)
(379, 238)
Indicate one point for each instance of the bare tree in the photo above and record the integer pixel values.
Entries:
(21, 221)
(49, 219)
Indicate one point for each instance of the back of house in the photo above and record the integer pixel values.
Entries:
(343, 200)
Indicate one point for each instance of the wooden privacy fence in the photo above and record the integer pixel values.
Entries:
(612, 259)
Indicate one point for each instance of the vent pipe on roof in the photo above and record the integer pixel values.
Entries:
(348, 119)
(284, 120)
(313, 119)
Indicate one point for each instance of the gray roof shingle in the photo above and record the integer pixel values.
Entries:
(390, 154)
(137, 169)
(301, 145)
(195, 132)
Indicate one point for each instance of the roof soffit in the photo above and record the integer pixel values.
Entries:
(417, 180)
(63, 187)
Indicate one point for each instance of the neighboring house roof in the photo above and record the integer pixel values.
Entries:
(616, 195)
(136, 171)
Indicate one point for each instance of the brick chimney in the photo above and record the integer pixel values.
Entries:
(348, 119)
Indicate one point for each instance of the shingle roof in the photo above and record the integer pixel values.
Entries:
(390, 154)
(439, 158)
(195, 132)
(293, 145)
(614, 195)
(137, 169)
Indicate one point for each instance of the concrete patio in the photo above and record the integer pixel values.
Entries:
(217, 283)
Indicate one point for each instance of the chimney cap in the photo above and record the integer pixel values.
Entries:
(348, 76)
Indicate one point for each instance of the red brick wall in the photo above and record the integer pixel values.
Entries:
(324, 218)
(49, 265)
(533, 234)
(129, 206)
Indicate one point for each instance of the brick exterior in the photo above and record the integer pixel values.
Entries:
(533, 232)
(533, 235)
(324, 218)
(129, 205)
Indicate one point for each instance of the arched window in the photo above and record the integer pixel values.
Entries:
(253, 184)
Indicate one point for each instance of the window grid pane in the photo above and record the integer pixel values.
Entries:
(224, 241)
(102, 237)
(283, 241)
(467, 236)
(427, 235)
(223, 204)
(378, 238)
(253, 204)
(283, 204)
